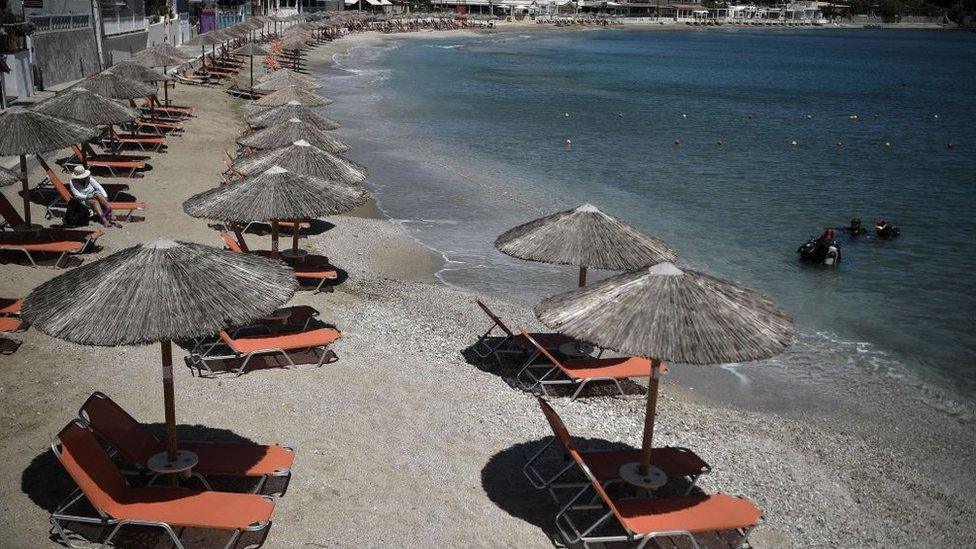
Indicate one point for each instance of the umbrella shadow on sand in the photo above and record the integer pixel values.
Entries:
(512, 492)
(508, 366)
(315, 227)
(48, 485)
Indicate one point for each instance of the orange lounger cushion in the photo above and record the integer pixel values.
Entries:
(178, 507)
(239, 459)
(11, 324)
(328, 274)
(42, 247)
(695, 514)
(607, 367)
(10, 306)
(300, 340)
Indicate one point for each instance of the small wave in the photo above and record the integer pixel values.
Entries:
(449, 47)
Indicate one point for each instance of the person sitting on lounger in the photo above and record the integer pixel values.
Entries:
(86, 189)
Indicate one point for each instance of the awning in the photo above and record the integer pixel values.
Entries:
(351, 2)
(375, 2)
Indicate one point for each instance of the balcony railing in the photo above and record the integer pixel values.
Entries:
(124, 24)
(47, 23)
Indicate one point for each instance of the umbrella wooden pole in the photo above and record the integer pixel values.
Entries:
(26, 185)
(165, 88)
(274, 238)
(652, 387)
(294, 237)
(168, 401)
(582, 276)
(252, 75)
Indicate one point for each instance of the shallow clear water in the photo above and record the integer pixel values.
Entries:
(465, 137)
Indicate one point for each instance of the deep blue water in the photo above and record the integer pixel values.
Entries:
(465, 137)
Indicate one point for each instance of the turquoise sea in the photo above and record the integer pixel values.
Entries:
(466, 137)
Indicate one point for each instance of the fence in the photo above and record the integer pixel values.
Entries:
(122, 25)
(47, 23)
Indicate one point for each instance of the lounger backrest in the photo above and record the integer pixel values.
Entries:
(9, 213)
(231, 242)
(55, 180)
(542, 349)
(90, 467)
(562, 434)
(494, 317)
(120, 430)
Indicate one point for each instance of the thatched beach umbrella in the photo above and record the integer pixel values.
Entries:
(278, 73)
(275, 195)
(159, 292)
(251, 49)
(302, 158)
(293, 93)
(585, 237)
(154, 57)
(137, 71)
(81, 105)
(171, 50)
(284, 113)
(284, 80)
(113, 86)
(673, 315)
(205, 39)
(24, 132)
(285, 134)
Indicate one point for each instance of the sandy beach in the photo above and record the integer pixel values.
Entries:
(408, 441)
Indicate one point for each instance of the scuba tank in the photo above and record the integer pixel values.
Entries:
(833, 255)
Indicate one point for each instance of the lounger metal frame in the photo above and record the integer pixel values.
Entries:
(201, 359)
(85, 421)
(61, 514)
(57, 264)
(539, 481)
(573, 533)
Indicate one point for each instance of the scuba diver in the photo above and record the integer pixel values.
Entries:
(823, 249)
(856, 229)
(884, 230)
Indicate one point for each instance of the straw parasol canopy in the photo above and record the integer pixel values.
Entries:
(160, 291)
(205, 39)
(277, 73)
(284, 113)
(285, 134)
(170, 50)
(673, 315)
(154, 57)
(7, 177)
(113, 86)
(81, 105)
(137, 71)
(303, 158)
(274, 195)
(585, 237)
(293, 93)
(24, 132)
(284, 81)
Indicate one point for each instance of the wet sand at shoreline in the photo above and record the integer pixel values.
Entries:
(404, 442)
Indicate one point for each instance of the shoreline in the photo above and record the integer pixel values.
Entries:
(404, 416)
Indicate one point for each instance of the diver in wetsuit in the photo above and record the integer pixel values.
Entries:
(884, 230)
(856, 228)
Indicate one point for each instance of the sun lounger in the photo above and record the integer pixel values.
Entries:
(580, 372)
(511, 343)
(114, 164)
(605, 465)
(118, 505)
(64, 196)
(153, 104)
(115, 141)
(317, 340)
(133, 441)
(154, 126)
(10, 306)
(192, 78)
(644, 519)
(318, 273)
(29, 246)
